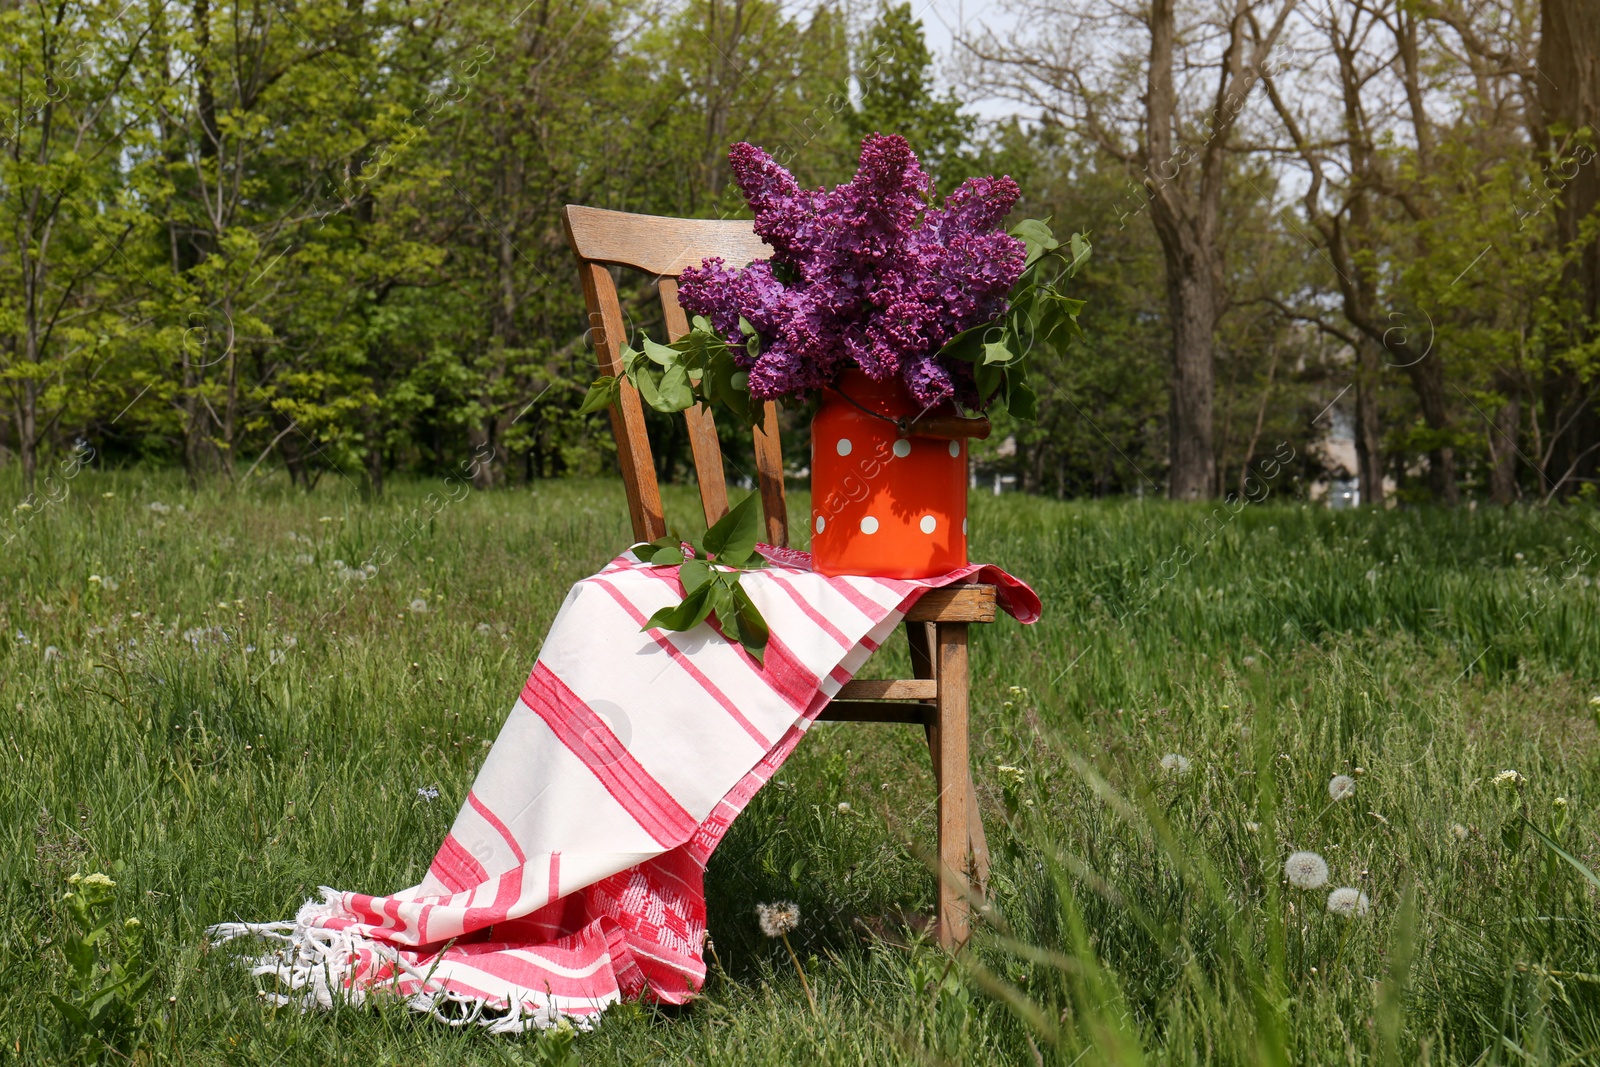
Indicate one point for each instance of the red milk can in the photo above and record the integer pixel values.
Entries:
(888, 494)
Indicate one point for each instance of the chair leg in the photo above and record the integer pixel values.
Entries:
(923, 663)
(954, 776)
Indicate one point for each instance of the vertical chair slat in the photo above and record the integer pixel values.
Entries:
(702, 427)
(627, 415)
(769, 473)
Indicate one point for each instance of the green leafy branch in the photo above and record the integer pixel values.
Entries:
(711, 578)
(700, 367)
(1040, 314)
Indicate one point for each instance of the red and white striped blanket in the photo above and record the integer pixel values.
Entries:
(573, 875)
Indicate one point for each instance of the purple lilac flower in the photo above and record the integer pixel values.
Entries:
(871, 275)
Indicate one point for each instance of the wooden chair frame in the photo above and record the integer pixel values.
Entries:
(937, 626)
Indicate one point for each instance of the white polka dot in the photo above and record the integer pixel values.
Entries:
(928, 524)
(963, 527)
(869, 525)
(821, 522)
(844, 446)
(902, 448)
(955, 448)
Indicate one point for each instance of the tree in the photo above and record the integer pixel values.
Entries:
(64, 68)
(894, 71)
(1161, 89)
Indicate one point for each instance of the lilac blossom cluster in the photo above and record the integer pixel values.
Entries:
(870, 275)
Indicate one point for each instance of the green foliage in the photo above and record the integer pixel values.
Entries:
(1040, 316)
(711, 577)
(894, 71)
(106, 975)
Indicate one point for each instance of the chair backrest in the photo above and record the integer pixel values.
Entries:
(664, 247)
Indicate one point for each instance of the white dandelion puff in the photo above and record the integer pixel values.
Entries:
(1348, 901)
(1460, 832)
(1173, 763)
(844, 807)
(1341, 786)
(419, 606)
(778, 919)
(1306, 870)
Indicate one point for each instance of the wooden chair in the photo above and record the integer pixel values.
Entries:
(936, 627)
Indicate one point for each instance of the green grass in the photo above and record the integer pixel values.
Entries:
(235, 723)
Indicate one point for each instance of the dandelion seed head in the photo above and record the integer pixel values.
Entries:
(1341, 786)
(844, 807)
(1306, 870)
(1348, 901)
(778, 919)
(1459, 831)
(1173, 763)
(419, 606)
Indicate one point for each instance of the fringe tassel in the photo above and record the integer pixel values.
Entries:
(321, 968)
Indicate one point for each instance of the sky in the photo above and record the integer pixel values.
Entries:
(942, 21)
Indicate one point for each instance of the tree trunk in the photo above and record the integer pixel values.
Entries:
(1192, 304)
(1369, 458)
(1569, 102)
(1503, 452)
(1427, 381)
(27, 432)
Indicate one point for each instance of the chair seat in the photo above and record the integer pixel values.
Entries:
(957, 603)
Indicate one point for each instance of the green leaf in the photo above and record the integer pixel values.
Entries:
(1583, 868)
(675, 392)
(693, 574)
(967, 345)
(1080, 253)
(732, 538)
(666, 557)
(645, 380)
(662, 355)
(686, 614)
(753, 629)
(1022, 402)
(70, 1013)
(998, 351)
(1036, 236)
(601, 395)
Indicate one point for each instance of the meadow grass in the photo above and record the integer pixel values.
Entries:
(226, 699)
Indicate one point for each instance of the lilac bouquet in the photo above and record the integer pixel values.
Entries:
(871, 275)
(868, 275)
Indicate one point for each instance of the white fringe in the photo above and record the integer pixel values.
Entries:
(314, 966)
